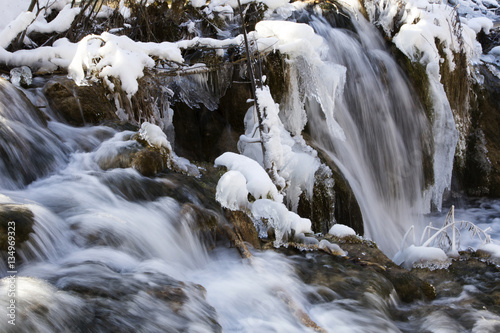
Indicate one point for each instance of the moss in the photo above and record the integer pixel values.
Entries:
(275, 68)
(149, 162)
(79, 105)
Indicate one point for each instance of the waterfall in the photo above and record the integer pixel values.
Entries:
(384, 125)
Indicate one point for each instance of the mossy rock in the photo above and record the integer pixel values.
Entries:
(149, 161)
(243, 227)
(408, 286)
(79, 105)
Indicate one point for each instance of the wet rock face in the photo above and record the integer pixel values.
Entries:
(202, 134)
(243, 227)
(488, 147)
(23, 219)
(331, 191)
(364, 269)
(79, 105)
(322, 206)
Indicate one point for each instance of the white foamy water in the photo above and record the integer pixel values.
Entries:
(102, 246)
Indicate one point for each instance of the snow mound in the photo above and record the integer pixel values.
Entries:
(422, 257)
(294, 39)
(60, 23)
(108, 56)
(492, 249)
(340, 230)
(232, 191)
(332, 248)
(480, 23)
(258, 182)
(154, 136)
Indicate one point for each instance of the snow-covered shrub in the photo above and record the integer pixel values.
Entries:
(438, 245)
(265, 207)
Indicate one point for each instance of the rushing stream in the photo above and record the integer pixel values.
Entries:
(114, 251)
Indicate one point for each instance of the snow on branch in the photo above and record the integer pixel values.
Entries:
(438, 245)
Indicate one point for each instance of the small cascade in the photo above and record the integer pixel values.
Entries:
(28, 148)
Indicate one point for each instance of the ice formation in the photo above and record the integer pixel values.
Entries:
(267, 209)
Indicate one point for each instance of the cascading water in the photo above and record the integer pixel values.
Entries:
(114, 251)
(385, 131)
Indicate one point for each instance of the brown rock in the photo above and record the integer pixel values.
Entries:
(243, 227)
(79, 105)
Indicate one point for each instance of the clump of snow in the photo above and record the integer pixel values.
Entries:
(124, 10)
(120, 57)
(20, 23)
(267, 211)
(480, 23)
(282, 7)
(422, 257)
(492, 249)
(340, 230)
(105, 12)
(258, 182)
(274, 4)
(293, 39)
(60, 23)
(11, 10)
(154, 136)
(495, 51)
(198, 3)
(232, 191)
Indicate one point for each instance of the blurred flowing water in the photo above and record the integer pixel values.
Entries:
(386, 132)
(114, 251)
